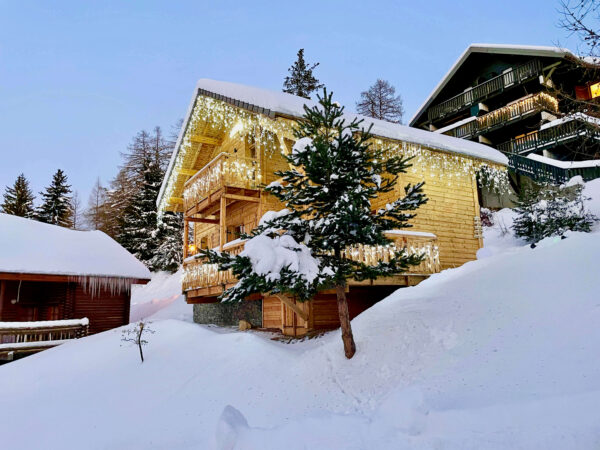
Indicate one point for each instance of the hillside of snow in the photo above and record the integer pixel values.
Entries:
(501, 353)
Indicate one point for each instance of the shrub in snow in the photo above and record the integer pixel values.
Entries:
(135, 335)
(547, 210)
(301, 250)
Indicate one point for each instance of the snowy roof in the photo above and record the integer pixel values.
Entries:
(275, 103)
(28, 246)
(524, 50)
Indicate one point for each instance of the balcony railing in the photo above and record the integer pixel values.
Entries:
(549, 137)
(227, 169)
(199, 275)
(486, 89)
(533, 103)
(29, 337)
(549, 173)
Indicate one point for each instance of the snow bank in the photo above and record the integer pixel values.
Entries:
(28, 246)
(160, 299)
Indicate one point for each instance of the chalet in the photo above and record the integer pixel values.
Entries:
(51, 275)
(230, 146)
(517, 99)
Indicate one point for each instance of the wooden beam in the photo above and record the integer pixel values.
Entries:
(205, 140)
(187, 172)
(176, 200)
(186, 232)
(242, 197)
(56, 278)
(223, 223)
(290, 304)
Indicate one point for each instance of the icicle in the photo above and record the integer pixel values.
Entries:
(94, 285)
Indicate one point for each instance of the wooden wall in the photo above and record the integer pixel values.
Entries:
(61, 300)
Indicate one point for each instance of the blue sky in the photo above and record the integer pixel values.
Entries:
(79, 79)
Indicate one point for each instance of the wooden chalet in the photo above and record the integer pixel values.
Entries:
(515, 98)
(229, 148)
(57, 283)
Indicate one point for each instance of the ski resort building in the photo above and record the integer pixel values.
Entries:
(54, 281)
(518, 99)
(231, 145)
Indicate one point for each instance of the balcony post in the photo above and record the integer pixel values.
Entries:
(186, 230)
(222, 223)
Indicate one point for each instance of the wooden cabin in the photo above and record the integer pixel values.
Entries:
(231, 145)
(50, 273)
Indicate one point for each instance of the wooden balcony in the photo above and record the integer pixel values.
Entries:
(205, 280)
(549, 173)
(225, 170)
(485, 90)
(514, 111)
(550, 137)
(31, 337)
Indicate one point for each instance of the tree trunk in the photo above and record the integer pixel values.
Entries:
(347, 338)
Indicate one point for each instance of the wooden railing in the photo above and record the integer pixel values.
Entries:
(198, 275)
(541, 101)
(548, 173)
(549, 137)
(28, 337)
(486, 89)
(227, 169)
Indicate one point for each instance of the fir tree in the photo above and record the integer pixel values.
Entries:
(169, 235)
(546, 210)
(336, 174)
(381, 102)
(18, 199)
(301, 81)
(56, 202)
(138, 223)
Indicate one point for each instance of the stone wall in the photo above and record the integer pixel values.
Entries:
(229, 314)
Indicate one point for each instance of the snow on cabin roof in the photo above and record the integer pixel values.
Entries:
(280, 103)
(28, 246)
(525, 50)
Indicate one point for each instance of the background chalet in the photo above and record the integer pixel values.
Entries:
(51, 273)
(230, 146)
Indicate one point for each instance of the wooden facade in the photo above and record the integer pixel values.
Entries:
(37, 297)
(224, 159)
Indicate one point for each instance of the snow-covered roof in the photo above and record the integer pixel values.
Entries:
(524, 50)
(28, 246)
(275, 103)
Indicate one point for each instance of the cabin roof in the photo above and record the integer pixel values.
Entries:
(31, 247)
(275, 103)
(502, 49)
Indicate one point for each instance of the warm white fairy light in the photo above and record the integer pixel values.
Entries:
(269, 135)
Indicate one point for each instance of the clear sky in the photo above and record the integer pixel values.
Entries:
(79, 79)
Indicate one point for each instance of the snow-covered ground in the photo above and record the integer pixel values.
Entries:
(501, 353)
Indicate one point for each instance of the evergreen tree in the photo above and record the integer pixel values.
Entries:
(139, 220)
(335, 175)
(301, 81)
(18, 199)
(169, 235)
(546, 210)
(381, 102)
(56, 202)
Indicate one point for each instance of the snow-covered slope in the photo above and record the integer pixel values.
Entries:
(501, 353)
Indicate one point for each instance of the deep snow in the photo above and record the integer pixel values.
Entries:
(501, 353)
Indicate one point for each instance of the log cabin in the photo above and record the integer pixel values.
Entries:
(51, 273)
(230, 147)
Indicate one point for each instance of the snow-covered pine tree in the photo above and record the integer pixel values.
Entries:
(169, 235)
(138, 223)
(336, 174)
(381, 102)
(56, 202)
(18, 199)
(546, 210)
(301, 81)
